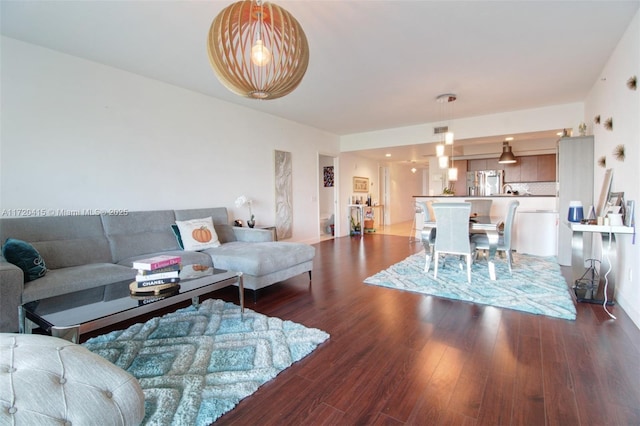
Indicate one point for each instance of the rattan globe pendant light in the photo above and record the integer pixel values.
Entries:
(258, 50)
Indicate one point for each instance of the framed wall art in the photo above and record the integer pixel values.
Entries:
(616, 199)
(284, 193)
(328, 176)
(360, 184)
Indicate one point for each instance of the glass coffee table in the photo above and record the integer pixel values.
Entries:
(72, 314)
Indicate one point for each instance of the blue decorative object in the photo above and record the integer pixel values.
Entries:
(576, 212)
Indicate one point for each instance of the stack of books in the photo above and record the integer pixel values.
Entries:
(156, 274)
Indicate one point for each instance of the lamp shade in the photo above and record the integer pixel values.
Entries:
(507, 156)
(258, 50)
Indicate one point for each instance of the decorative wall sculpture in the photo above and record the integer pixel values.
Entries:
(284, 202)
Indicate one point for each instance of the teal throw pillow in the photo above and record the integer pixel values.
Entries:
(176, 232)
(26, 257)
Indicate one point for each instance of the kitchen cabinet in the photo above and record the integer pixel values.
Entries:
(512, 172)
(477, 165)
(484, 164)
(531, 168)
(492, 164)
(546, 168)
(528, 168)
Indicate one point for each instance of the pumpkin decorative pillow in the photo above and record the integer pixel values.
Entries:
(198, 234)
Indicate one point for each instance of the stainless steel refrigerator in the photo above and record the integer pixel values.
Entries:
(485, 182)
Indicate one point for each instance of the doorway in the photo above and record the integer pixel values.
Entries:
(327, 198)
(384, 178)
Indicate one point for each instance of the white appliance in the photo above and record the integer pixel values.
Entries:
(485, 182)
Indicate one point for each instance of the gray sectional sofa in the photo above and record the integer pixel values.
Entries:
(93, 250)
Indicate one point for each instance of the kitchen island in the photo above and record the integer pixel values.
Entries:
(535, 226)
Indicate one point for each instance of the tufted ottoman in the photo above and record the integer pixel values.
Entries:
(49, 381)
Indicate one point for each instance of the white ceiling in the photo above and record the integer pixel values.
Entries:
(373, 64)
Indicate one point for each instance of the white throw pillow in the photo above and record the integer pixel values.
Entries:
(198, 234)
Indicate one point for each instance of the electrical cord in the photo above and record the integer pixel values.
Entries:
(606, 280)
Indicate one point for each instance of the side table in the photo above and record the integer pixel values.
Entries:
(595, 293)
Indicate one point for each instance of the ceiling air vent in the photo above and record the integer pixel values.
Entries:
(439, 130)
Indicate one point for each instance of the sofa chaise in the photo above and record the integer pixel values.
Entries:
(87, 251)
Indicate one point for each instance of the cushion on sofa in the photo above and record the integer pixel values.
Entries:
(62, 241)
(260, 258)
(176, 232)
(75, 278)
(25, 257)
(140, 233)
(220, 218)
(198, 234)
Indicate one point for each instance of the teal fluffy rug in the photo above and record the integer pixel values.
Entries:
(196, 364)
(536, 286)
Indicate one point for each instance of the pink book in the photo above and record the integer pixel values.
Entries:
(156, 262)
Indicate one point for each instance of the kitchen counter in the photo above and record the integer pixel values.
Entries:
(501, 202)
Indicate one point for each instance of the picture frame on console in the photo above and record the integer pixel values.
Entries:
(360, 184)
(629, 212)
(615, 204)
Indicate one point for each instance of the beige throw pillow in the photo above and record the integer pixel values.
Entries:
(198, 234)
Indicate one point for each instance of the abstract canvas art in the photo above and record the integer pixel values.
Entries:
(284, 203)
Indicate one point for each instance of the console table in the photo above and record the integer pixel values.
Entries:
(361, 212)
(595, 292)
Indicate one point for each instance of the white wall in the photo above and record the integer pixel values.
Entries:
(80, 135)
(610, 97)
(532, 120)
(404, 185)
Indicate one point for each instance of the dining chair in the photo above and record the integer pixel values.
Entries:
(480, 207)
(418, 210)
(452, 237)
(428, 235)
(504, 241)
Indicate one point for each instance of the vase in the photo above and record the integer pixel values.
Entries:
(251, 223)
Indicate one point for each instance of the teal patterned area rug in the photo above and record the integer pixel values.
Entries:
(196, 364)
(536, 286)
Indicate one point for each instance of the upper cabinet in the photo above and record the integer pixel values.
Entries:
(528, 168)
(512, 172)
(547, 168)
(531, 168)
(476, 165)
(484, 164)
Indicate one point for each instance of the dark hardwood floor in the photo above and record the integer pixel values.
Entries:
(397, 358)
